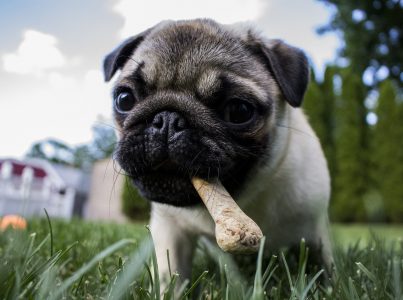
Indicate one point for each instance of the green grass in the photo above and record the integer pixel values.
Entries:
(27, 257)
(92, 260)
(346, 235)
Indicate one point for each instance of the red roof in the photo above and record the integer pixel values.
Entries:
(18, 168)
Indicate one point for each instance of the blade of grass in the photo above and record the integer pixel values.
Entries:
(310, 284)
(194, 285)
(133, 268)
(287, 270)
(170, 293)
(51, 232)
(169, 264)
(269, 276)
(37, 272)
(258, 292)
(221, 258)
(223, 278)
(352, 290)
(17, 285)
(150, 276)
(157, 286)
(29, 248)
(269, 267)
(303, 256)
(367, 272)
(88, 266)
(300, 282)
(397, 283)
(183, 286)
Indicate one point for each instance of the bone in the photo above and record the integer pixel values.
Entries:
(235, 232)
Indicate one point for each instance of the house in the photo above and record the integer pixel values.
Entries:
(29, 186)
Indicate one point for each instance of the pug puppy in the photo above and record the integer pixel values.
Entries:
(197, 98)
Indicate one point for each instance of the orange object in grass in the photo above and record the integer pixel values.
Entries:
(16, 222)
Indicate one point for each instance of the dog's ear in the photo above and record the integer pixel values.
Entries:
(118, 57)
(289, 67)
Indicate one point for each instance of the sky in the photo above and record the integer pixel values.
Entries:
(51, 81)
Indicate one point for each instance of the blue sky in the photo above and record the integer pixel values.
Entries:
(51, 53)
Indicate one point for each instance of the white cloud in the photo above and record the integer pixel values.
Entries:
(140, 16)
(61, 81)
(37, 53)
(58, 99)
(56, 105)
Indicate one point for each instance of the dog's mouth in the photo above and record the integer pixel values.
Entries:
(166, 176)
(166, 166)
(168, 182)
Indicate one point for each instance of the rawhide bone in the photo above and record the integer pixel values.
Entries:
(235, 231)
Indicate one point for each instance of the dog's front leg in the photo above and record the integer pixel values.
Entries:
(168, 236)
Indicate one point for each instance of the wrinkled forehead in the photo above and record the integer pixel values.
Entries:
(193, 55)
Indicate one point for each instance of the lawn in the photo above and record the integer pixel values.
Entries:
(346, 235)
(92, 260)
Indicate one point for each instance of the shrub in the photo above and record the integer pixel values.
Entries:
(134, 206)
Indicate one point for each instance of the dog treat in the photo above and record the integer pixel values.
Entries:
(235, 231)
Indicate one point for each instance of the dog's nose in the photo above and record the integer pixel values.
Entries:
(169, 122)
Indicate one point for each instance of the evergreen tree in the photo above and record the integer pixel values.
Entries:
(314, 107)
(351, 179)
(319, 107)
(329, 99)
(52, 150)
(388, 151)
(372, 31)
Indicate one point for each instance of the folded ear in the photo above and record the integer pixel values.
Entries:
(118, 57)
(290, 69)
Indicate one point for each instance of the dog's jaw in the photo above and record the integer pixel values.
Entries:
(170, 181)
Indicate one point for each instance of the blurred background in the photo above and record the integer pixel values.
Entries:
(57, 134)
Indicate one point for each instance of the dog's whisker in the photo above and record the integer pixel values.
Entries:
(297, 130)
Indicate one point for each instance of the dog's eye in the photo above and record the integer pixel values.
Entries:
(238, 111)
(124, 102)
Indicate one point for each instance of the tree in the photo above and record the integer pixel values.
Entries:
(319, 105)
(80, 156)
(388, 151)
(329, 96)
(52, 150)
(315, 107)
(373, 35)
(83, 157)
(351, 178)
(104, 141)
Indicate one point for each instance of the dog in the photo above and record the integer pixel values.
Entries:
(198, 98)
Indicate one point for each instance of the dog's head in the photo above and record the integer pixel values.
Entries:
(199, 98)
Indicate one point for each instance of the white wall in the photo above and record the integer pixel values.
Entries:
(104, 201)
